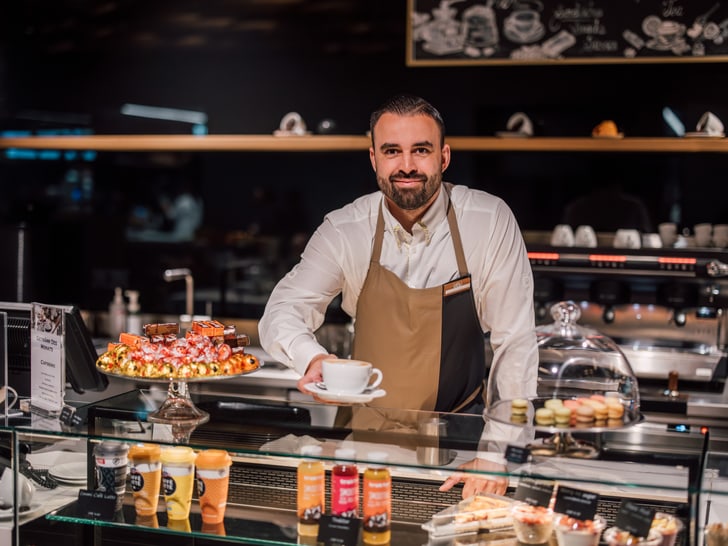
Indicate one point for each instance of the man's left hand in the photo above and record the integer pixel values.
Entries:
(478, 483)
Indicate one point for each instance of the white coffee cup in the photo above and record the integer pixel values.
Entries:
(25, 489)
(4, 390)
(668, 233)
(720, 235)
(651, 240)
(627, 238)
(710, 124)
(562, 235)
(342, 375)
(585, 236)
(703, 234)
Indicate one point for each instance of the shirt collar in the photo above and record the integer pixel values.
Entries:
(426, 225)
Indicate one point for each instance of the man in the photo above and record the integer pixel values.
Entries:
(425, 268)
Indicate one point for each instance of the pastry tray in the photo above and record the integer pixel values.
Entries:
(479, 513)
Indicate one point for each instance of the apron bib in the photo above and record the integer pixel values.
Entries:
(428, 342)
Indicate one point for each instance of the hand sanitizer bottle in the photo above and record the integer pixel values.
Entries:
(117, 314)
(133, 318)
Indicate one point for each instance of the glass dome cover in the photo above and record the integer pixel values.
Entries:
(577, 366)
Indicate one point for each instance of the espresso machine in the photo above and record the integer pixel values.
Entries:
(667, 309)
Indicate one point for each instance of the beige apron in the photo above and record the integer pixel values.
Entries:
(427, 342)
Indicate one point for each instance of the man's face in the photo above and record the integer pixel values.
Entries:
(408, 160)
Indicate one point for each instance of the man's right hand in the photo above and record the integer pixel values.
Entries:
(313, 373)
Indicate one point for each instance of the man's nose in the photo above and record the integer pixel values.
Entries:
(408, 162)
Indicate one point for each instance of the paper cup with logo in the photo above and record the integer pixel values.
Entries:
(213, 477)
(178, 478)
(112, 466)
(145, 477)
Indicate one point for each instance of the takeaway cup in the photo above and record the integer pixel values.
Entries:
(213, 476)
(112, 466)
(178, 477)
(145, 477)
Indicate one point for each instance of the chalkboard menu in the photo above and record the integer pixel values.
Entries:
(479, 32)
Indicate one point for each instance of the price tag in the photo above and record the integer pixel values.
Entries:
(534, 492)
(96, 504)
(576, 503)
(517, 454)
(634, 519)
(339, 530)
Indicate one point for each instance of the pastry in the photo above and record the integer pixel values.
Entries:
(585, 414)
(669, 526)
(544, 416)
(576, 532)
(532, 524)
(553, 403)
(519, 406)
(562, 415)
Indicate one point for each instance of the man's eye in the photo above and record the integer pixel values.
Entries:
(422, 151)
(391, 151)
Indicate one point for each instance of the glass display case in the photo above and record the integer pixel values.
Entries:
(653, 465)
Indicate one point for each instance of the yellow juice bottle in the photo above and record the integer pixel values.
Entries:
(311, 491)
(377, 500)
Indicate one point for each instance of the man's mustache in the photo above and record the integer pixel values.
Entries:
(412, 175)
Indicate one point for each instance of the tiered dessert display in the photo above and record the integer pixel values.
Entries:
(585, 384)
(208, 351)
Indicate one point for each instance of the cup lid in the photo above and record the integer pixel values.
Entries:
(213, 458)
(178, 454)
(140, 452)
(110, 448)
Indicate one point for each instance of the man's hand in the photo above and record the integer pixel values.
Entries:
(478, 483)
(313, 373)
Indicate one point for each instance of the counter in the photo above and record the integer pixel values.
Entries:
(645, 462)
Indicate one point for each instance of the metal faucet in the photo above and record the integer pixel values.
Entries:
(183, 273)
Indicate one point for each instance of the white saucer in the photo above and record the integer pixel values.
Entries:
(7, 514)
(363, 398)
(69, 472)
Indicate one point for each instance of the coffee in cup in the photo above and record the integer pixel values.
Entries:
(145, 477)
(213, 477)
(347, 376)
(178, 477)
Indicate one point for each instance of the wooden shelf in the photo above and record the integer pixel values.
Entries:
(345, 143)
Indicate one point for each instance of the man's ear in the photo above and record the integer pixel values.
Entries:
(372, 159)
(445, 157)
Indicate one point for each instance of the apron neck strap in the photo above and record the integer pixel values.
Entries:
(454, 233)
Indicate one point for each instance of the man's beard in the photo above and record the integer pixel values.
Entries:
(410, 199)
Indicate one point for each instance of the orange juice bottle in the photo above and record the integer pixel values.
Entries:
(311, 491)
(377, 500)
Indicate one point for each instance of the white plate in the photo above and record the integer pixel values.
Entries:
(69, 472)
(7, 514)
(363, 398)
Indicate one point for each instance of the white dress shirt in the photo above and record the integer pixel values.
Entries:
(336, 259)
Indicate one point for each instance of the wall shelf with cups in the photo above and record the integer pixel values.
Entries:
(345, 143)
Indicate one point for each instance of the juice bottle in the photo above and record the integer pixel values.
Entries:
(311, 479)
(377, 501)
(345, 485)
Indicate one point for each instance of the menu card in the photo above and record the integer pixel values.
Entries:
(47, 359)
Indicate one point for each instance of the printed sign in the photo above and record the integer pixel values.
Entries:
(47, 358)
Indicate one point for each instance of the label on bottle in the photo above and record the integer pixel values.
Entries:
(311, 491)
(345, 495)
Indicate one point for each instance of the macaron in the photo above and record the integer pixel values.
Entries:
(585, 414)
(553, 403)
(615, 411)
(571, 404)
(600, 408)
(562, 415)
(519, 406)
(544, 416)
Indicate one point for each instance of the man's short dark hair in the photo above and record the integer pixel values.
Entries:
(407, 105)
